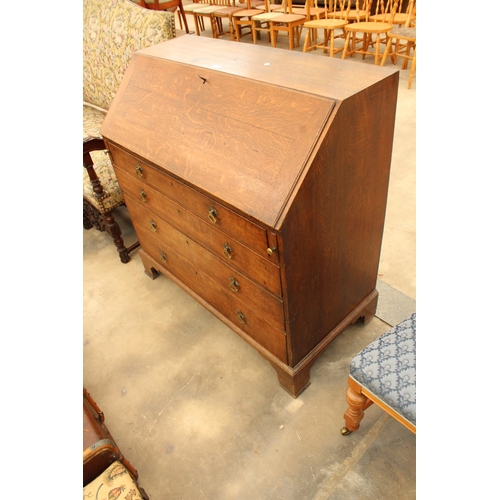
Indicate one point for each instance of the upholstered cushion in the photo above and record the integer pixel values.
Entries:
(387, 368)
(92, 120)
(112, 32)
(113, 194)
(405, 32)
(115, 483)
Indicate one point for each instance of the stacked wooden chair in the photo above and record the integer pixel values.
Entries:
(337, 19)
(368, 31)
(402, 42)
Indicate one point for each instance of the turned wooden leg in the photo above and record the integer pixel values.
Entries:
(355, 412)
(114, 230)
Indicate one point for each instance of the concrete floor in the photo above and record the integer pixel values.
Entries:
(200, 413)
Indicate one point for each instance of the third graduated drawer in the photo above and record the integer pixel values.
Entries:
(257, 267)
(208, 209)
(158, 238)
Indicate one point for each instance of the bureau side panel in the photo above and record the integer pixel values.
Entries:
(332, 230)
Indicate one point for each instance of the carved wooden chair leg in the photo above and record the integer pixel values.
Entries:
(355, 412)
(114, 230)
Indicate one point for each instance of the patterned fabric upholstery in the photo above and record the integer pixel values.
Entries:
(92, 120)
(406, 32)
(112, 32)
(114, 483)
(387, 368)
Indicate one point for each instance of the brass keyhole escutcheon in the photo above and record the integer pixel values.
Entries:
(228, 251)
(270, 251)
(138, 170)
(212, 215)
(143, 196)
(152, 226)
(234, 285)
(163, 257)
(241, 317)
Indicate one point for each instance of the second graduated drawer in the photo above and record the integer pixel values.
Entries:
(207, 209)
(253, 323)
(254, 296)
(257, 267)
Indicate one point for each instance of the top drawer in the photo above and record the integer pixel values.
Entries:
(225, 220)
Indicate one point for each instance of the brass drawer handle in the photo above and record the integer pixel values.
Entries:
(234, 285)
(228, 251)
(139, 171)
(143, 196)
(163, 257)
(212, 215)
(270, 251)
(152, 226)
(241, 317)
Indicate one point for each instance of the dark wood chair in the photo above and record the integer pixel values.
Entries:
(104, 64)
(103, 463)
(102, 195)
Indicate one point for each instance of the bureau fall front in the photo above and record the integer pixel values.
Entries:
(256, 179)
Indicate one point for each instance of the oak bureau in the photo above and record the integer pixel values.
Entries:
(256, 179)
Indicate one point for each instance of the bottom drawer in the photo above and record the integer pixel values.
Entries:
(200, 283)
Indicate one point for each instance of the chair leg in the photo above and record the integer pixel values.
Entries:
(306, 41)
(413, 67)
(386, 51)
(114, 230)
(355, 412)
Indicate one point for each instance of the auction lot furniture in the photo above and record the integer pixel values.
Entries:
(104, 465)
(385, 373)
(258, 188)
(112, 31)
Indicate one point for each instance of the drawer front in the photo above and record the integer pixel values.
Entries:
(220, 297)
(207, 209)
(255, 297)
(238, 256)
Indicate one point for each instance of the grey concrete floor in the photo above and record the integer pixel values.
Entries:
(200, 413)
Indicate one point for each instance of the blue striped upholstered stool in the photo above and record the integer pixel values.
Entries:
(384, 373)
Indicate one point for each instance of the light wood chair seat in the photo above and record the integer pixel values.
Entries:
(291, 24)
(328, 26)
(370, 27)
(243, 19)
(370, 31)
(261, 22)
(218, 16)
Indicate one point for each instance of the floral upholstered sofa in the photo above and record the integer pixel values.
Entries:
(112, 31)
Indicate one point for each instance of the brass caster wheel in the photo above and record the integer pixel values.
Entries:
(345, 431)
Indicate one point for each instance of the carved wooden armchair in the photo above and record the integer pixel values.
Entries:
(112, 32)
